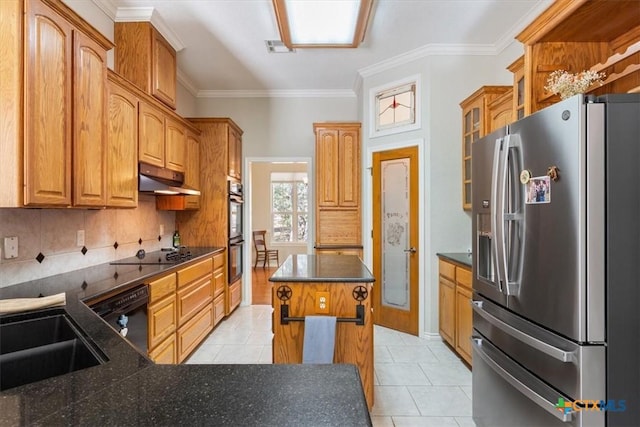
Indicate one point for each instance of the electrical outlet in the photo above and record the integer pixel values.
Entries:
(10, 247)
(322, 302)
(80, 238)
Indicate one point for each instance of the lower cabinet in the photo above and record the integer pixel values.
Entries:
(184, 306)
(455, 312)
(193, 332)
(234, 297)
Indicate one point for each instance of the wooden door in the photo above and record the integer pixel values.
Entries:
(89, 118)
(395, 239)
(48, 80)
(122, 146)
(176, 145)
(151, 135)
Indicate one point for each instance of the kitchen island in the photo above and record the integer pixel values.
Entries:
(129, 389)
(325, 285)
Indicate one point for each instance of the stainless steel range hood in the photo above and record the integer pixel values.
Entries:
(153, 179)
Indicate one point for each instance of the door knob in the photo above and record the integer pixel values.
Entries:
(411, 249)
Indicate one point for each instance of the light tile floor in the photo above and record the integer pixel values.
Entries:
(418, 382)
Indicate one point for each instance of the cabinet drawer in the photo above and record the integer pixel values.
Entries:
(447, 270)
(194, 331)
(193, 272)
(162, 320)
(218, 309)
(193, 298)
(165, 353)
(162, 287)
(463, 277)
(218, 261)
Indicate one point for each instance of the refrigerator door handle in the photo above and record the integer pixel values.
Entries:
(555, 352)
(496, 207)
(526, 391)
(511, 211)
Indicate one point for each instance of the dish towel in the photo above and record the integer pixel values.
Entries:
(17, 305)
(319, 339)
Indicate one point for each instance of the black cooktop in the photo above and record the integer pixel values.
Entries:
(172, 256)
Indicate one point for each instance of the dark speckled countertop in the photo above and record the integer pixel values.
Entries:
(462, 258)
(322, 268)
(131, 390)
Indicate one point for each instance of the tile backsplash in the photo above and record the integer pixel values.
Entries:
(52, 233)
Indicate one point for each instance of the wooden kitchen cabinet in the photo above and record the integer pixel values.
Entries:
(175, 145)
(195, 289)
(454, 310)
(463, 313)
(234, 297)
(577, 35)
(151, 135)
(447, 302)
(517, 68)
(193, 332)
(476, 123)
(219, 276)
(501, 111)
(122, 145)
(53, 61)
(192, 170)
(338, 210)
(234, 168)
(162, 319)
(145, 58)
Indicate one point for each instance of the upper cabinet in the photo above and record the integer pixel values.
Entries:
(338, 164)
(162, 138)
(122, 143)
(477, 121)
(517, 68)
(234, 168)
(145, 58)
(53, 98)
(577, 35)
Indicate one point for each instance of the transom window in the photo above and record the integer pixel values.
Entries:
(289, 207)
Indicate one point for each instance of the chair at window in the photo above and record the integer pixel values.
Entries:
(262, 252)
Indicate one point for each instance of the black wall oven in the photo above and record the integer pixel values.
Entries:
(236, 230)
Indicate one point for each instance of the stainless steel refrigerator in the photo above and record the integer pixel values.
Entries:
(556, 262)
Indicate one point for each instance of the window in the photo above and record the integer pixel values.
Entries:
(395, 108)
(289, 207)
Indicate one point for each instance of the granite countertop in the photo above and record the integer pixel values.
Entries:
(463, 258)
(323, 268)
(130, 389)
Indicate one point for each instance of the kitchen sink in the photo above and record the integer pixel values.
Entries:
(44, 344)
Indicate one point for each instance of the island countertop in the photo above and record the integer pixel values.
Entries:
(323, 268)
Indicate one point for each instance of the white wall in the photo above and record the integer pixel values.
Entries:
(445, 82)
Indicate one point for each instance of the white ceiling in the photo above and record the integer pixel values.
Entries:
(221, 43)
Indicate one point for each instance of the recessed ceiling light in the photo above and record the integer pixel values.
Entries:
(276, 46)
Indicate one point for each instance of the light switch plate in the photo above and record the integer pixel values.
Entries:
(10, 247)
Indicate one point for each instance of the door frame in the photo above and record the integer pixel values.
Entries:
(247, 292)
(424, 228)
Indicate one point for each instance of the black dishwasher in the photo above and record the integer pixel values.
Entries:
(126, 312)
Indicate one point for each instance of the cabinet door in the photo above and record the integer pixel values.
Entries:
(122, 148)
(446, 310)
(89, 118)
(48, 80)
(194, 331)
(472, 131)
(176, 145)
(163, 70)
(192, 170)
(327, 154)
(166, 353)
(219, 280)
(464, 323)
(151, 135)
(218, 309)
(162, 320)
(235, 154)
(349, 168)
(234, 296)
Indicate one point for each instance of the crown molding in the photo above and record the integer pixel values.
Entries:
(108, 7)
(149, 14)
(311, 93)
(186, 82)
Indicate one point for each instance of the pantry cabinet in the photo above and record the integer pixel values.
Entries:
(338, 210)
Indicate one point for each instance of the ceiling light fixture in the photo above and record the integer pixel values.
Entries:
(322, 23)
